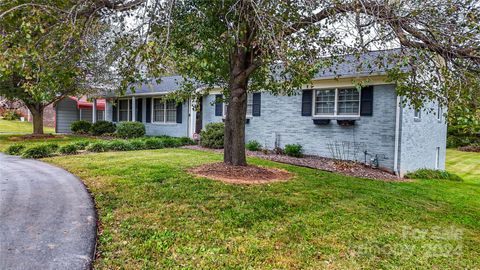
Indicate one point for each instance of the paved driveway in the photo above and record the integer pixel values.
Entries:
(47, 217)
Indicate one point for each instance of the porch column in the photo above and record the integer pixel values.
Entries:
(134, 111)
(94, 111)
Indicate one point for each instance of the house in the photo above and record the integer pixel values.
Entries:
(71, 109)
(48, 112)
(330, 117)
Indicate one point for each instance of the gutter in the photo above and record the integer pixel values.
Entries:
(396, 167)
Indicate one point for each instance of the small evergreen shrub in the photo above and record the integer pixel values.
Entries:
(212, 136)
(99, 146)
(294, 150)
(253, 145)
(433, 174)
(11, 115)
(119, 145)
(69, 149)
(80, 127)
(154, 143)
(53, 146)
(15, 149)
(186, 141)
(171, 142)
(39, 151)
(102, 127)
(81, 145)
(138, 144)
(128, 130)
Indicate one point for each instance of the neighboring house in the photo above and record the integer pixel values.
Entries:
(328, 118)
(70, 109)
(48, 112)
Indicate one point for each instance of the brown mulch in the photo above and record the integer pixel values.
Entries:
(35, 137)
(249, 174)
(469, 148)
(349, 168)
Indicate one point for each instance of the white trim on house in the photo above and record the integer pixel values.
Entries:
(336, 101)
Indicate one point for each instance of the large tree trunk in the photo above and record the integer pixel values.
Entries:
(37, 115)
(234, 140)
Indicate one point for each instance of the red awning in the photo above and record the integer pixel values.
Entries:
(82, 103)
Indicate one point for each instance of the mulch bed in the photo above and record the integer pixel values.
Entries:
(349, 168)
(470, 148)
(35, 137)
(249, 174)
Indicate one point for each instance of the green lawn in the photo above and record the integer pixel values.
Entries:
(18, 127)
(156, 216)
(465, 164)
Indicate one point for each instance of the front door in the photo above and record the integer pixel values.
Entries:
(198, 116)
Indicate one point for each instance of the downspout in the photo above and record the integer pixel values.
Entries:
(396, 168)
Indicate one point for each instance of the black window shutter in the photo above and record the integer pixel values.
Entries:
(130, 110)
(114, 110)
(366, 101)
(218, 105)
(307, 103)
(179, 112)
(148, 110)
(139, 103)
(257, 104)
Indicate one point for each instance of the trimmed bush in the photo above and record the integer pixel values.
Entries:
(80, 127)
(128, 130)
(15, 149)
(69, 149)
(39, 151)
(212, 136)
(102, 127)
(53, 146)
(294, 150)
(138, 144)
(119, 145)
(171, 142)
(81, 145)
(99, 146)
(433, 174)
(186, 141)
(253, 145)
(154, 143)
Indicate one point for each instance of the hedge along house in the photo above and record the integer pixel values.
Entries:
(71, 109)
(330, 118)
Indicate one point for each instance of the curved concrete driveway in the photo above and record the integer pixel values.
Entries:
(47, 217)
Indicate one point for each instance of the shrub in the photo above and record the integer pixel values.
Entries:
(53, 147)
(294, 150)
(102, 127)
(212, 136)
(253, 145)
(171, 142)
(138, 144)
(154, 143)
(69, 149)
(186, 141)
(99, 146)
(433, 174)
(119, 145)
(39, 151)
(11, 115)
(15, 149)
(81, 145)
(129, 130)
(80, 127)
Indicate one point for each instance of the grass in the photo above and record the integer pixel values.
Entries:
(18, 127)
(156, 216)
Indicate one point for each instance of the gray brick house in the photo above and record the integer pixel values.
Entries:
(330, 117)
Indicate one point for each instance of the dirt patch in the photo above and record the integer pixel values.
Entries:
(349, 168)
(35, 137)
(470, 148)
(241, 174)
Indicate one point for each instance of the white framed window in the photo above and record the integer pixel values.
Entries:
(164, 111)
(249, 106)
(336, 102)
(123, 110)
